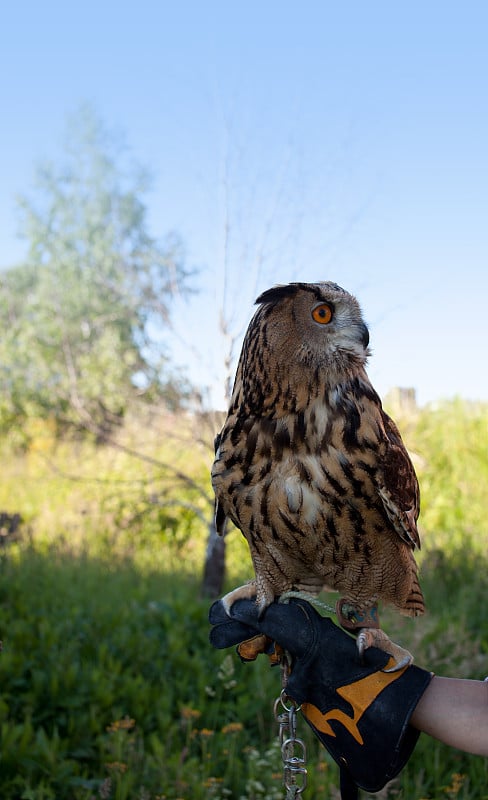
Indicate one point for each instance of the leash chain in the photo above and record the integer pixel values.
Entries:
(293, 750)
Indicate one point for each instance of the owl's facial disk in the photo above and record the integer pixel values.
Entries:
(330, 328)
(315, 325)
(346, 328)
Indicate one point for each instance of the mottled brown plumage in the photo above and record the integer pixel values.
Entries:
(309, 466)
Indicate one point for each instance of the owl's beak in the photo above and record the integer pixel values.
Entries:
(364, 335)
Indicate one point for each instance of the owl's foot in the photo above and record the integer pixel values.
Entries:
(365, 620)
(246, 592)
(254, 590)
(375, 637)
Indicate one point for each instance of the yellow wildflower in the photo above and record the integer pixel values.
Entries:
(190, 713)
(209, 783)
(125, 724)
(117, 766)
(232, 727)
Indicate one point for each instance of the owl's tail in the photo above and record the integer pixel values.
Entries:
(415, 604)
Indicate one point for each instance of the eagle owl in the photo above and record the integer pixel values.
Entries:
(312, 470)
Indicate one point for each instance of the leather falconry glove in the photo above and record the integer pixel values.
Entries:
(359, 712)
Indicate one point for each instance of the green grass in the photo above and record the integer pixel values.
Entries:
(89, 643)
(109, 688)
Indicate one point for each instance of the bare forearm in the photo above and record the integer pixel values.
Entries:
(455, 712)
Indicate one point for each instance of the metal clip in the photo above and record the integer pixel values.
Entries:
(293, 750)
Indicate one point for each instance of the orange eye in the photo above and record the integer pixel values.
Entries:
(322, 313)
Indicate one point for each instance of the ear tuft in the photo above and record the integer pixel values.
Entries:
(278, 292)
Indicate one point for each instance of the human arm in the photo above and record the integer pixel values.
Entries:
(455, 711)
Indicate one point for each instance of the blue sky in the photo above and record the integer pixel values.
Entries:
(332, 141)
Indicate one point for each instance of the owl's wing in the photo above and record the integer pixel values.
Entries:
(220, 515)
(398, 486)
(220, 518)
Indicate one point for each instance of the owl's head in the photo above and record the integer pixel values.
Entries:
(305, 339)
(314, 324)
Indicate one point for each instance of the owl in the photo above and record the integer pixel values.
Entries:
(312, 470)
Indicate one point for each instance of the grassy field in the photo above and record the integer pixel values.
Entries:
(109, 688)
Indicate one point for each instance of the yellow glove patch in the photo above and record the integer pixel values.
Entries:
(359, 695)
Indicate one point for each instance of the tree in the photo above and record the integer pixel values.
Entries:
(76, 316)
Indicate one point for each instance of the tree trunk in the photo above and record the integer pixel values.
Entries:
(214, 570)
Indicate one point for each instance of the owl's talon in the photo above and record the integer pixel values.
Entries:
(375, 637)
(362, 644)
(262, 606)
(405, 662)
(245, 592)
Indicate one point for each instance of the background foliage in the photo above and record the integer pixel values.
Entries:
(109, 686)
(76, 315)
